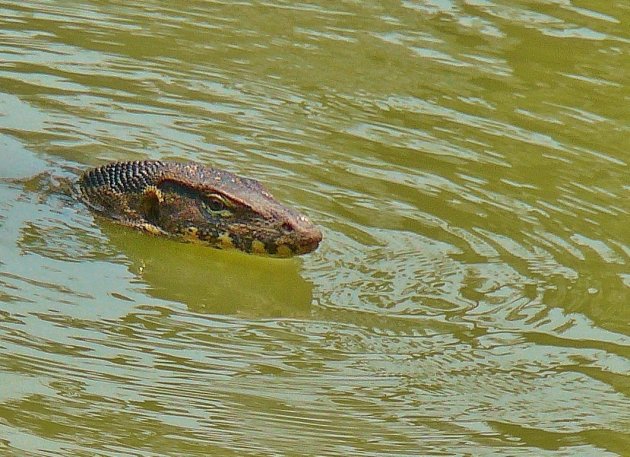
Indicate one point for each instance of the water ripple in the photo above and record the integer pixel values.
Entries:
(468, 165)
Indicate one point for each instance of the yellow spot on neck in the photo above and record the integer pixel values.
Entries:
(152, 229)
(226, 241)
(191, 234)
(154, 192)
(284, 251)
(258, 247)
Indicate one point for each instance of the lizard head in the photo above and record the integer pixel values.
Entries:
(223, 210)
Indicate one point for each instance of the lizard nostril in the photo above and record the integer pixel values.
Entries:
(289, 227)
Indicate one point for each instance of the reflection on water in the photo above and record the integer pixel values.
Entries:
(213, 281)
(467, 161)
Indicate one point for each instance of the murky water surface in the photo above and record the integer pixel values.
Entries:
(467, 161)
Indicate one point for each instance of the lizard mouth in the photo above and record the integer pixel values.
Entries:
(301, 236)
(310, 243)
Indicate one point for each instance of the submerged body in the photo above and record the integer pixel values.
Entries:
(194, 202)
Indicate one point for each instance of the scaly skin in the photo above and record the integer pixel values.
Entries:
(194, 202)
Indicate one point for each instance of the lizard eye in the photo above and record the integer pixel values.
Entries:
(214, 204)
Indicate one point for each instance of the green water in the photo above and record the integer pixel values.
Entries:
(466, 160)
